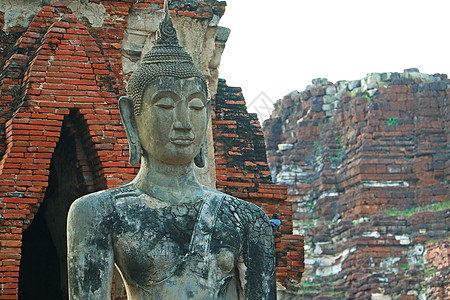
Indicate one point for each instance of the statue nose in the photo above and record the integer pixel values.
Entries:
(182, 118)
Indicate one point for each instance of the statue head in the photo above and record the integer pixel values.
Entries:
(167, 108)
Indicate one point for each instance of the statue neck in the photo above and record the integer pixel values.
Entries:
(169, 183)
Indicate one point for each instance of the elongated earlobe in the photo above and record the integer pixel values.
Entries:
(199, 159)
(127, 115)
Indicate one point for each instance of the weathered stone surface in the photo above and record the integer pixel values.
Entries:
(93, 13)
(330, 90)
(354, 84)
(283, 147)
(19, 12)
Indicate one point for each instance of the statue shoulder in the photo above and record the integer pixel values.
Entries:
(249, 211)
(97, 204)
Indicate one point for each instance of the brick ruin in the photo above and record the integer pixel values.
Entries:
(242, 171)
(367, 168)
(63, 67)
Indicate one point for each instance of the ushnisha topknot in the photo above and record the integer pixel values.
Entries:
(166, 58)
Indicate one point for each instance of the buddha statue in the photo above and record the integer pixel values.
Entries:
(169, 236)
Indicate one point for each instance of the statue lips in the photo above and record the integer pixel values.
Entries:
(182, 140)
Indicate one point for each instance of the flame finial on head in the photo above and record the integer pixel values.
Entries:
(166, 58)
(166, 33)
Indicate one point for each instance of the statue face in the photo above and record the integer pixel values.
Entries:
(173, 119)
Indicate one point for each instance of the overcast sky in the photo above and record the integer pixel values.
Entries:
(276, 47)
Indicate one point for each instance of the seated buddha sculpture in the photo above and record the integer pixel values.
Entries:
(169, 236)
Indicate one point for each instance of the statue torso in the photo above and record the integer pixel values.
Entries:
(152, 247)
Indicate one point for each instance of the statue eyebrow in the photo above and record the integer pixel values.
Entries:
(161, 94)
(199, 95)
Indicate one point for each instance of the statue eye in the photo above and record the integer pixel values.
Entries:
(165, 103)
(196, 104)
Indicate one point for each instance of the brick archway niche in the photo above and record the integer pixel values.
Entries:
(67, 84)
(73, 166)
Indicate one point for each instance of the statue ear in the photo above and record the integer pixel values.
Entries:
(199, 159)
(127, 115)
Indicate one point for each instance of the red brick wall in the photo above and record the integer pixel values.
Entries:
(242, 171)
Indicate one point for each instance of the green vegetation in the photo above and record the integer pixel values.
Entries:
(392, 212)
(306, 224)
(428, 271)
(392, 121)
(307, 284)
(369, 98)
(309, 204)
(384, 84)
(333, 292)
(339, 153)
(409, 212)
(425, 79)
(311, 287)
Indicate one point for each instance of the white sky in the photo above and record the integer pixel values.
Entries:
(276, 47)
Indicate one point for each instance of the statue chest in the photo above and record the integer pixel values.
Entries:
(152, 244)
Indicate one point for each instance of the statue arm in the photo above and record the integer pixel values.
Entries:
(89, 251)
(259, 258)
